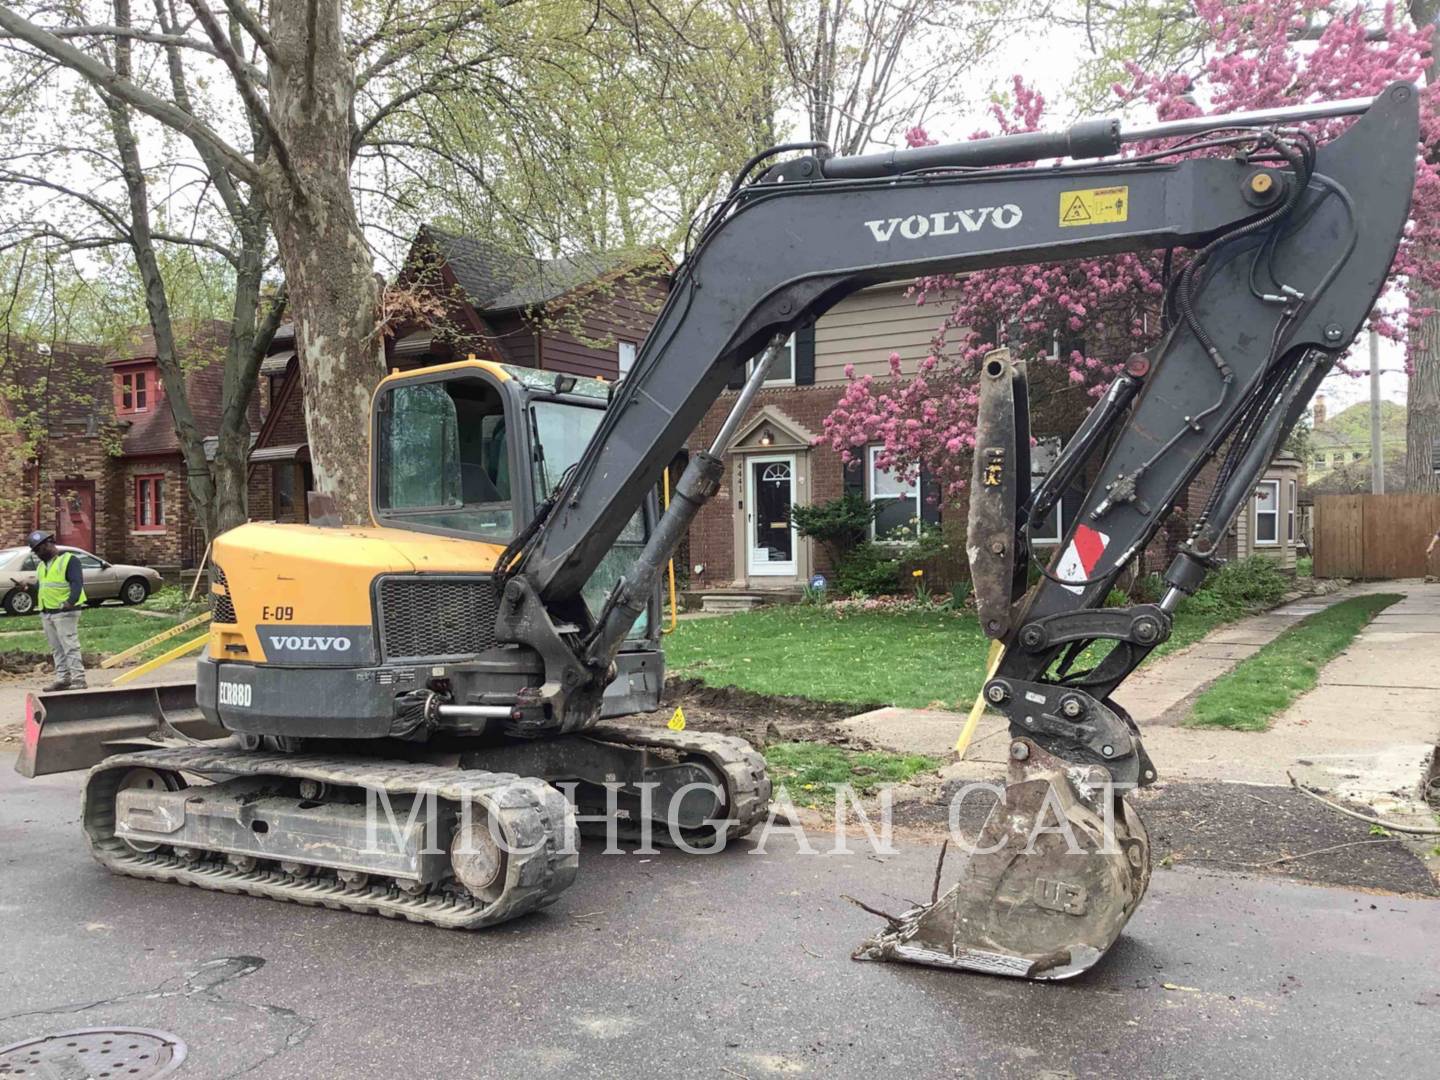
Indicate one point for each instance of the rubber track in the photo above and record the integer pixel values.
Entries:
(534, 816)
(747, 783)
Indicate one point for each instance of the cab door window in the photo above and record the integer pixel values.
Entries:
(443, 459)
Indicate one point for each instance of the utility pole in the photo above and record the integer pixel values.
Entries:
(1377, 449)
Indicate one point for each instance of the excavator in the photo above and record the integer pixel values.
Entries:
(470, 651)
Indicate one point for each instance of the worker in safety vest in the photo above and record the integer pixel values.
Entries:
(62, 591)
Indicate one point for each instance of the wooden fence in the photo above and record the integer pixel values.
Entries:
(1375, 536)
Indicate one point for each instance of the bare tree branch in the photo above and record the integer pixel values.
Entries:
(246, 18)
(248, 94)
(405, 43)
(181, 90)
(109, 82)
(107, 31)
(428, 85)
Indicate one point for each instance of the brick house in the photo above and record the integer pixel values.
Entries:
(741, 542)
(741, 545)
(106, 470)
(57, 438)
(584, 315)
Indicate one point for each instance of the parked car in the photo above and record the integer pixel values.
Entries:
(103, 580)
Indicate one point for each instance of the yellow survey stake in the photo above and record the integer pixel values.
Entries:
(677, 722)
(1095, 206)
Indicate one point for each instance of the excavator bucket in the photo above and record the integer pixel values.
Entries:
(1058, 868)
(76, 729)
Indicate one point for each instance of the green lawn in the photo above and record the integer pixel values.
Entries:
(103, 630)
(810, 771)
(1264, 684)
(909, 658)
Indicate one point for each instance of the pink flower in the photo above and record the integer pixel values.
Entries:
(1106, 308)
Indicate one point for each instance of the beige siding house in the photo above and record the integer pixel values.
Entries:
(1271, 525)
(866, 327)
(741, 546)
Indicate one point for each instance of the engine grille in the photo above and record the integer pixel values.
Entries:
(436, 618)
(222, 608)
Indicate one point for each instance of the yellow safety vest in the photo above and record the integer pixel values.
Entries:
(54, 589)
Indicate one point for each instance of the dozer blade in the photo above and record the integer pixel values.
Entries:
(76, 729)
(1059, 866)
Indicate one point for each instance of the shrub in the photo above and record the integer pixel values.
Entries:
(810, 594)
(1252, 582)
(838, 524)
(867, 568)
(1150, 588)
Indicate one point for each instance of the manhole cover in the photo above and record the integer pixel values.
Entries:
(94, 1054)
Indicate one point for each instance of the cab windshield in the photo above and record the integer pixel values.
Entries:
(445, 455)
(446, 460)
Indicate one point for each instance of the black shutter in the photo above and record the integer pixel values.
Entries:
(929, 499)
(737, 380)
(805, 355)
(854, 474)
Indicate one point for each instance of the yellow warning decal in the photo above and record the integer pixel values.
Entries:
(677, 722)
(1095, 206)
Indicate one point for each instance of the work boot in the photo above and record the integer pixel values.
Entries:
(77, 684)
(58, 684)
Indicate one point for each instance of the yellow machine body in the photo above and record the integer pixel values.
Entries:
(309, 575)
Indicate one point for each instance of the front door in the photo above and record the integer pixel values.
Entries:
(75, 513)
(769, 537)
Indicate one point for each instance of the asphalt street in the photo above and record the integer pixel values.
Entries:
(735, 965)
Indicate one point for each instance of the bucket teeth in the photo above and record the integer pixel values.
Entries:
(1058, 868)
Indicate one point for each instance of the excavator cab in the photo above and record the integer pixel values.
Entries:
(388, 631)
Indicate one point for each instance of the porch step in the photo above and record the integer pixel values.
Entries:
(724, 601)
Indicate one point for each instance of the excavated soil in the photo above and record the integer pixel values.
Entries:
(1237, 828)
(758, 718)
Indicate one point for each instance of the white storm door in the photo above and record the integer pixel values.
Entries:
(769, 493)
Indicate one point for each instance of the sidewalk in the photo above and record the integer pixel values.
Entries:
(1366, 732)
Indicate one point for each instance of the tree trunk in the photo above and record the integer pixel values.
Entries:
(250, 339)
(1422, 407)
(329, 270)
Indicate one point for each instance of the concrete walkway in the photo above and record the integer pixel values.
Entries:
(1366, 732)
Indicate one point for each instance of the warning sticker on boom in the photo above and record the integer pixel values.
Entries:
(1095, 206)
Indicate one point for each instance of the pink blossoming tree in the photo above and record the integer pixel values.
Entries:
(1076, 322)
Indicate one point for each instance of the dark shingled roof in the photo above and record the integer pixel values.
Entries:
(54, 385)
(495, 279)
(203, 349)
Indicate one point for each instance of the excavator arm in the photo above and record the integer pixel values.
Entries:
(1292, 242)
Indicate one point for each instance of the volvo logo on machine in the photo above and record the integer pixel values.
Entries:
(945, 222)
(317, 646)
(295, 643)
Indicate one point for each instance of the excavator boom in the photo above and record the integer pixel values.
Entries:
(1291, 242)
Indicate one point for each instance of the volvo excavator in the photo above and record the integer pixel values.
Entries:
(474, 646)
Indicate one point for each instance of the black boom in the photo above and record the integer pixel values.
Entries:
(1291, 246)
